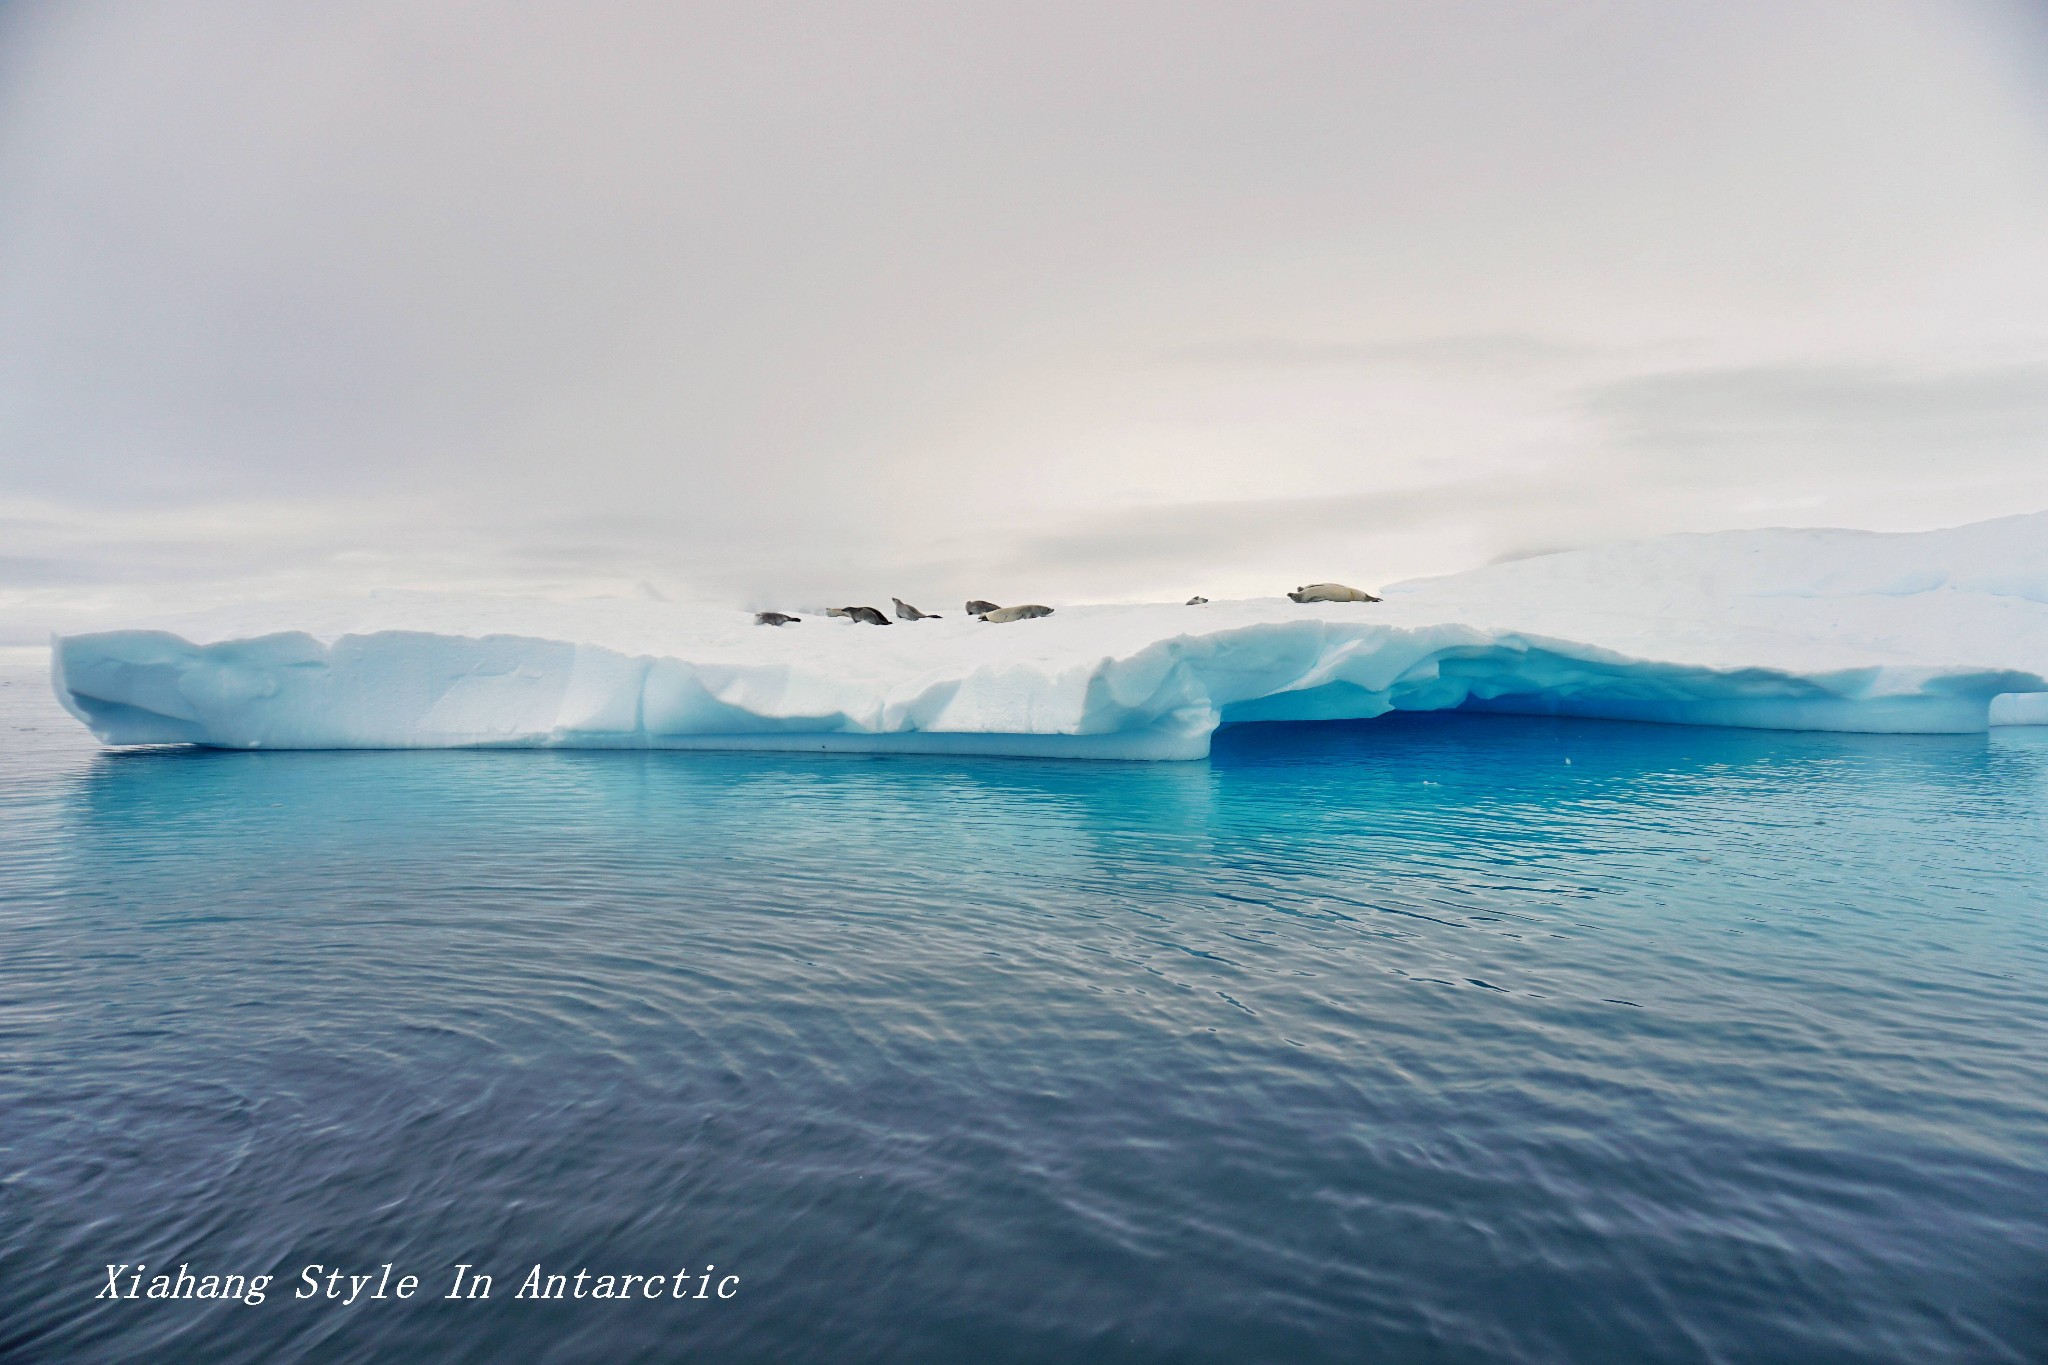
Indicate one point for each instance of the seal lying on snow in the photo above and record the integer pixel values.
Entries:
(906, 612)
(1330, 592)
(1197, 601)
(775, 618)
(867, 616)
(980, 608)
(1024, 613)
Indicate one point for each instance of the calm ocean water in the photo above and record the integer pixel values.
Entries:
(1440, 1039)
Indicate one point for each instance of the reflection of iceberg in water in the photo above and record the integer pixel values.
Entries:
(707, 830)
(1815, 630)
(1327, 820)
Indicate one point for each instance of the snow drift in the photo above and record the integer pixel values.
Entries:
(1940, 631)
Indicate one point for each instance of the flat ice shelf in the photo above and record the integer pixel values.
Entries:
(1938, 631)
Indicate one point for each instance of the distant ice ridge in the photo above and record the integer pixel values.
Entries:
(1940, 631)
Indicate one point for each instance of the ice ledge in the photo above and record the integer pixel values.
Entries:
(405, 689)
(1936, 632)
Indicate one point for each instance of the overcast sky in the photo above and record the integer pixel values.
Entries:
(787, 304)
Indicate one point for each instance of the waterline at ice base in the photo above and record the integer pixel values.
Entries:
(1925, 632)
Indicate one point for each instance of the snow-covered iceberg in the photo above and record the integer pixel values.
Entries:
(1783, 629)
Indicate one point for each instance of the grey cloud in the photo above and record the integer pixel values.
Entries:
(1191, 533)
(1470, 352)
(36, 571)
(1855, 421)
(1206, 539)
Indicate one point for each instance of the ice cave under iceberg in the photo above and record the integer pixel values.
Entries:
(1940, 631)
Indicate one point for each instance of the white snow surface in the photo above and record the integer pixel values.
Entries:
(1938, 631)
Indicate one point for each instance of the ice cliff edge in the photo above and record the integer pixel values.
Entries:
(1936, 631)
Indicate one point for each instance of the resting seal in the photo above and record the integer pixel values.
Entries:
(775, 618)
(1024, 613)
(980, 608)
(1330, 592)
(867, 616)
(1197, 601)
(906, 612)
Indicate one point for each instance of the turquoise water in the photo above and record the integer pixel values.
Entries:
(1448, 1038)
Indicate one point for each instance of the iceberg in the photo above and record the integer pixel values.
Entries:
(1923, 632)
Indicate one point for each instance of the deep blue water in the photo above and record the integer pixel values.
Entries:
(1441, 1039)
